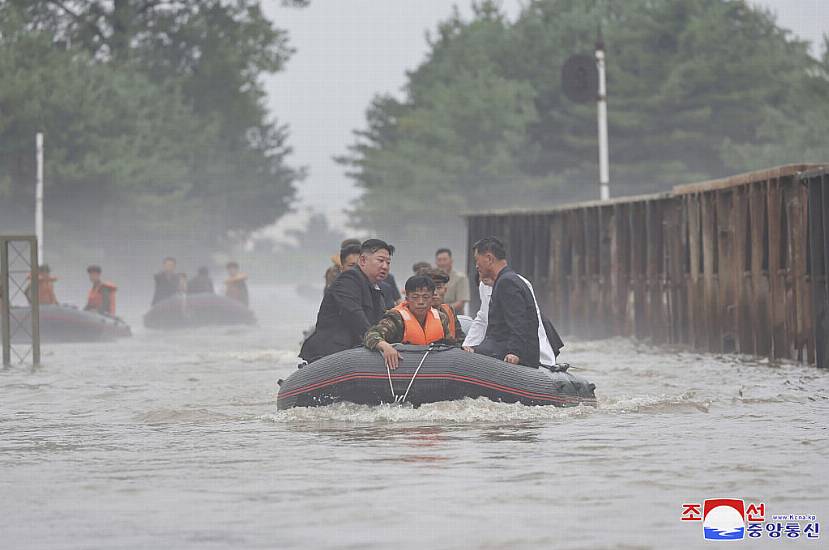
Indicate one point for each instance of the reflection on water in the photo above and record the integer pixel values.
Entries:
(176, 442)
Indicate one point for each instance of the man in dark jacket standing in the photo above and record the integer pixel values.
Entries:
(512, 331)
(352, 304)
(166, 281)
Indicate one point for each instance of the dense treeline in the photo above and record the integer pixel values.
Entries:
(154, 118)
(697, 89)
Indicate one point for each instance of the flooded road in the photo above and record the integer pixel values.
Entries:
(177, 443)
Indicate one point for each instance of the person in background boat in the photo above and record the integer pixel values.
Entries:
(457, 291)
(101, 296)
(45, 286)
(236, 286)
(351, 305)
(440, 278)
(166, 281)
(182, 283)
(415, 321)
(337, 265)
(515, 330)
(201, 283)
(478, 328)
(420, 266)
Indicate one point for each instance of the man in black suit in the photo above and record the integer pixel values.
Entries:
(515, 331)
(167, 281)
(352, 304)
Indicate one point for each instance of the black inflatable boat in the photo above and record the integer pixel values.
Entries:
(197, 310)
(66, 323)
(428, 375)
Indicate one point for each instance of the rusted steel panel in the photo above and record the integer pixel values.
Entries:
(798, 219)
(725, 269)
(708, 221)
(657, 313)
(759, 279)
(638, 245)
(696, 302)
(777, 308)
(818, 244)
(742, 315)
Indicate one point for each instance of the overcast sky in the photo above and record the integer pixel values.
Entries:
(350, 50)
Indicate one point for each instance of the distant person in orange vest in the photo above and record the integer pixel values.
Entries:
(236, 287)
(102, 294)
(45, 286)
(414, 321)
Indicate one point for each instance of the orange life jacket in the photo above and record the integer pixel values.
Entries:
(447, 309)
(45, 289)
(95, 301)
(414, 333)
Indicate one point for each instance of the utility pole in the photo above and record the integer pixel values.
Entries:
(39, 197)
(601, 107)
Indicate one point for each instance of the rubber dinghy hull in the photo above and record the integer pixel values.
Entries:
(65, 323)
(197, 310)
(360, 376)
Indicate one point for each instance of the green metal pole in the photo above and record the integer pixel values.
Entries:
(5, 320)
(35, 316)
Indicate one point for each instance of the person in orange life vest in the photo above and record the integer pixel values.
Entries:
(441, 279)
(45, 286)
(414, 321)
(236, 287)
(102, 294)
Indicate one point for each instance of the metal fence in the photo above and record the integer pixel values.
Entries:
(19, 305)
(732, 265)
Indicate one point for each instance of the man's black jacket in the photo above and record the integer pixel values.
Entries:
(166, 285)
(350, 306)
(513, 321)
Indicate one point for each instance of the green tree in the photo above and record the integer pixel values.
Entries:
(697, 89)
(154, 116)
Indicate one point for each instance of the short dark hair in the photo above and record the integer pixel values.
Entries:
(442, 250)
(417, 267)
(349, 242)
(44, 268)
(232, 264)
(493, 245)
(437, 275)
(348, 250)
(373, 245)
(416, 282)
(93, 269)
(168, 259)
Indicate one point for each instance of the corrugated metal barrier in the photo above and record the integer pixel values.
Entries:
(731, 265)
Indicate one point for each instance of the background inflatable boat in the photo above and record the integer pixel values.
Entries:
(360, 376)
(65, 323)
(197, 310)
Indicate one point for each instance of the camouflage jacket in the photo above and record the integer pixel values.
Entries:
(391, 328)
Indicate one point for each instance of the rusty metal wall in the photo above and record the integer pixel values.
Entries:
(732, 265)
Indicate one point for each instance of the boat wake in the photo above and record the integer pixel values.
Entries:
(481, 410)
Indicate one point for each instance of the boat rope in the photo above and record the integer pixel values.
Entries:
(391, 387)
(417, 370)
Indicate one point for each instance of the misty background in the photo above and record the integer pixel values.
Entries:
(211, 130)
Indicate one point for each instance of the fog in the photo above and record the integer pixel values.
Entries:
(345, 54)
